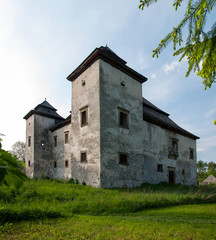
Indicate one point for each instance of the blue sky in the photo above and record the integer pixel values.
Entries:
(42, 42)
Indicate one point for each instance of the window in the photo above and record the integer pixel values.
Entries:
(83, 156)
(123, 159)
(66, 137)
(174, 147)
(123, 118)
(191, 153)
(55, 164)
(66, 163)
(29, 141)
(55, 141)
(29, 163)
(160, 168)
(84, 116)
(183, 172)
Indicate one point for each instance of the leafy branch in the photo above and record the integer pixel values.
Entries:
(200, 47)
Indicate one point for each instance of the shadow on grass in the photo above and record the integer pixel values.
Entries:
(9, 216)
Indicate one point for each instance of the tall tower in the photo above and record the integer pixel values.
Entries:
(38, 152)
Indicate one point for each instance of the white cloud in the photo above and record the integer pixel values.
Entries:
(153, 76)
(211, 113)
(172, 66)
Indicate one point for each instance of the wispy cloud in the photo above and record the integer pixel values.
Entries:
(170, 67)
(211, 113)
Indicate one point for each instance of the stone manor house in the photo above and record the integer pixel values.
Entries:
(114, 137)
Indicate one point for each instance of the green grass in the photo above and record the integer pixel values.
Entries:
(45, 209)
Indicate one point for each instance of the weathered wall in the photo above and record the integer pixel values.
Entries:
(60, 153)
(146, 144)
(29, 153)
(42, 148)
(86, 138)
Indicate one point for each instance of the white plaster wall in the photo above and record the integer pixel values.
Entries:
(146, 144)
(29, 151)
(60, 153)
(86, 138)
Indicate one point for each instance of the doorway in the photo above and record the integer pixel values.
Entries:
(171, 175)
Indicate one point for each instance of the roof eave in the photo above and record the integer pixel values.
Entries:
(98, 54)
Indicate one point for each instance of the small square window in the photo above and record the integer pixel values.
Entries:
(55, 141)
(123, 118)
(29, 141)
(84, 117)
(191, 153)
(66, 163)
(123, 159)
(55, 164)
(83, 156)
(66, 137)
(160, 168)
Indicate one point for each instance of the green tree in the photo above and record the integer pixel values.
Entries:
(202, 170)
(18, 151)
(10, 175)
(212, 168)
(200, 46)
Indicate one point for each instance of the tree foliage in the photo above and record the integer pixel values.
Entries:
(200, 46)
(10, 175)
(205, 169)
(18, 150)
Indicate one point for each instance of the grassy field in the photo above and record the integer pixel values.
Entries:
(45, 209)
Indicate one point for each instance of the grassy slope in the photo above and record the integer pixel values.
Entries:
(88, 213)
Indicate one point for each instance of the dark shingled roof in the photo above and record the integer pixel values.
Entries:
(44, 109)
(158, 117)
(107, 55)
(61, 124)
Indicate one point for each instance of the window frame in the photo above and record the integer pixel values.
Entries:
(174, 147)
(82, 110)
(66, 163)
(55, 138)
(29, 141)
(122, 112)
(159, 167)
(191, 152)
(81, 153)
(66, 137)
(120, 160)
(55, 164)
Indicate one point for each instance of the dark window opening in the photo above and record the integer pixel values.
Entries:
(191, 153)
(123, 119)
(66, 163)
(123, 159)
(183, 172)
(55, 164)
(83, 156)
(84, 119)
(66, 137)
(160, 168)
(55, 141)
(29, 163)
(29, 141)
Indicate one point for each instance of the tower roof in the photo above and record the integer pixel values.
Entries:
(107, 55)
(45, 104)
(44, 109)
